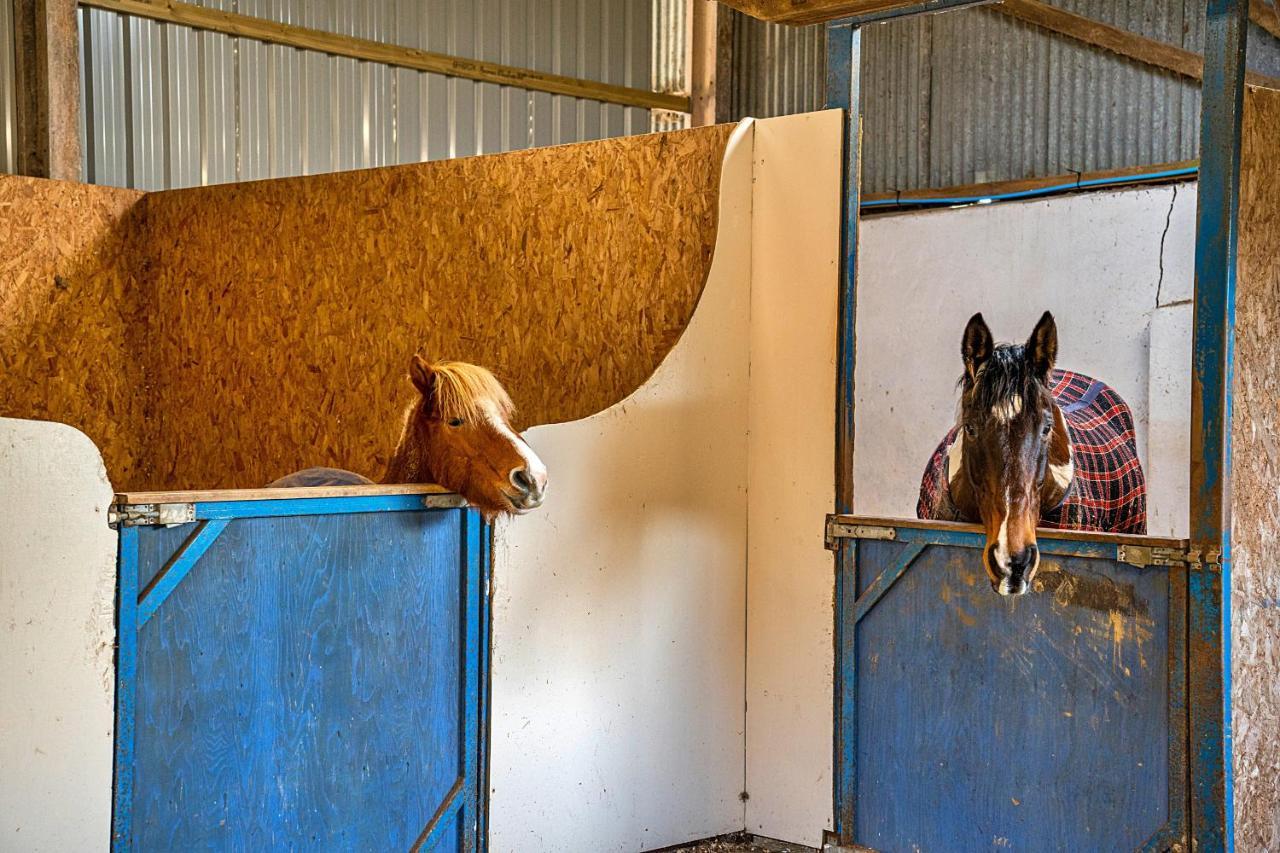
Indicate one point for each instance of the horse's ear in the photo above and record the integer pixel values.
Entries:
(422, 376)
(976, 346)
(1042, 346)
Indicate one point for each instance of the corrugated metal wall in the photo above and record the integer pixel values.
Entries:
(167, 106)
(7, 106)
(670, 55)
(972, 95)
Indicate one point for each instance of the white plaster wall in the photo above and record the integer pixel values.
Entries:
(794, 286)
(1096, 260)
(619, 606)
(57, 588)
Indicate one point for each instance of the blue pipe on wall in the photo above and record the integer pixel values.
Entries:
(1190, 171)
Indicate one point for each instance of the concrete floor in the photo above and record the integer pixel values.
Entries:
(741, 843)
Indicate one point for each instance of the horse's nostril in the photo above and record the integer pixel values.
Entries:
(521, 479)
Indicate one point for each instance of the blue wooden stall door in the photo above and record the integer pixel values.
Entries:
(303, 676)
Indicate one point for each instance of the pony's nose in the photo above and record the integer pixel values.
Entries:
(526, 481)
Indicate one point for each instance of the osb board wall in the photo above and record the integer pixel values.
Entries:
(70, 327)
(290, 309)
(1255, 500)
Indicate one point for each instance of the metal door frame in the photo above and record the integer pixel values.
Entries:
(135, 607)
(1208, 592)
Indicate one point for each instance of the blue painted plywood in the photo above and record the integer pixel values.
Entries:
(1034, 723)
(306, 686)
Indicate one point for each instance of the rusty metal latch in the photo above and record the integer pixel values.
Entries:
(140, 515)
(1155, 555)
(837, 529)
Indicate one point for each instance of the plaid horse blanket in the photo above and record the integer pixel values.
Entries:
(1109, 492)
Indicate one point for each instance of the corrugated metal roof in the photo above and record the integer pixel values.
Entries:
(972, 95)
(8, 109)
(167, 106)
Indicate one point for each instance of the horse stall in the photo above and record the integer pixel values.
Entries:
(661, 652)
(202, 662)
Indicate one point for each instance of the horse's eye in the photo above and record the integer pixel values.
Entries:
(969, 430)
(1048, 428)
(455, 422)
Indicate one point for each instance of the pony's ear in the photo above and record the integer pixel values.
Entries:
(422, 376)
(976, 346)
(1042, 346)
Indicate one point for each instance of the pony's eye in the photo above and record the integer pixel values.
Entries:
(1048, 428)
(455, 422)
(969, 430)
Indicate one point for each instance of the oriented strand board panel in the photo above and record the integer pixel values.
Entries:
(57, 608)
(618, 635)
(70, 312)
(288, 310)
(1255, 488)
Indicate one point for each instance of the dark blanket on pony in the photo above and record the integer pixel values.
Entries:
(1109, 492)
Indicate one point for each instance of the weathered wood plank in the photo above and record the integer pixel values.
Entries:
(1115, 40)
(273, 32)
(47, 88)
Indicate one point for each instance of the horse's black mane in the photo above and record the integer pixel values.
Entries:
(1003, 375)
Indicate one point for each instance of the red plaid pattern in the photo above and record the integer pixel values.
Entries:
(1109, 493)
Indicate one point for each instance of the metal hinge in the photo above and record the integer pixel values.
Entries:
(1155, 555)
(140, 515)
(837, 529)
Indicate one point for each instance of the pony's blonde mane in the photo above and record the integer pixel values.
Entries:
(462, 390)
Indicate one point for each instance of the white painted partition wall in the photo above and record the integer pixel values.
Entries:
(629, 668)
(57, 636)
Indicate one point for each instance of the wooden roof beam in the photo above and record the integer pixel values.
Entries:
(1115, 40)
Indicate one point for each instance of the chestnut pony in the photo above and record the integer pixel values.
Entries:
(457, 434)
(1033, 446)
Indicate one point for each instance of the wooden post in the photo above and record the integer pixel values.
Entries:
(724, 64)
(701, 62)
(47, 88)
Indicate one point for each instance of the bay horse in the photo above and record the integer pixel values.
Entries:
(457, 434)
(1032, 446)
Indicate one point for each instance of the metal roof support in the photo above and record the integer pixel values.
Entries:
(1211, 372)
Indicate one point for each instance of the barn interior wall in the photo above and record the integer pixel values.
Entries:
(937, 112)
(1114, 267)
(240, 332)
(57, 605)
(168, 106)
(72, 313)
(1255, 493)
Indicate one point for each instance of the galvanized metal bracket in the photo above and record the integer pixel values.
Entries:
(837, 529)
(444, 501)
(142, 515)
(1143, 556)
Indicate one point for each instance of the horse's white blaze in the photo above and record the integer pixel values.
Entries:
(533, 466)
(1007, 410)
(1002, 539)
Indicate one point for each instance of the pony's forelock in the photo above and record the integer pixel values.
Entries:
(462, 390)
